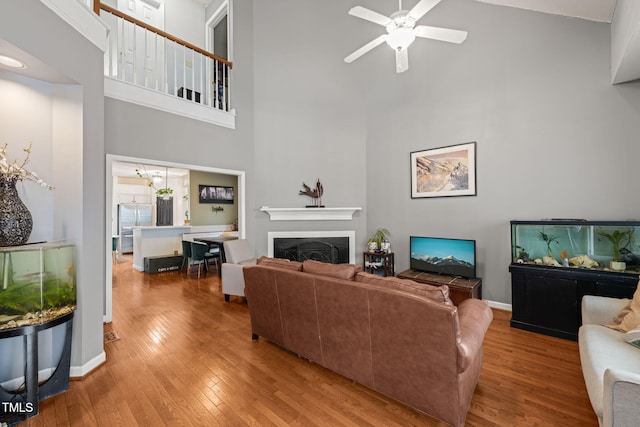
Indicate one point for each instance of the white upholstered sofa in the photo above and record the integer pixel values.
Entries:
(611, 367)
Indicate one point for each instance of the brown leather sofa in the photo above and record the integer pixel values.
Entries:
(398, 337)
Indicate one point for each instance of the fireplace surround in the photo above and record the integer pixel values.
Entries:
(326, 246)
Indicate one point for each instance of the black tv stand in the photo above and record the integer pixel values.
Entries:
(460, 288)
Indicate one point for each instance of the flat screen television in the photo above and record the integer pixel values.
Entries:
(455, 257)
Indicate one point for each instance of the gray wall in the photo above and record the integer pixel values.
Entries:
(135, 131)
(71, 54)
(554, 137)
(309, 118)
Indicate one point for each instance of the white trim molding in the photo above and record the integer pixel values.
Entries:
(82, 19)
(81, 371)
(310, 214)
(499, 305)
(161, 101)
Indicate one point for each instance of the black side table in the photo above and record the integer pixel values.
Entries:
(379, 262)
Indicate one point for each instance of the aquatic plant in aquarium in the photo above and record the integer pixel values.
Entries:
(37, 283)
(600, 245)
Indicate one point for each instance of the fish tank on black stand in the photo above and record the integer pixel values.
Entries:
(554, 263)
(37, 293)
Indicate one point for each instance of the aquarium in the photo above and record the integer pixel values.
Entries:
(37, 283)
(599, 245)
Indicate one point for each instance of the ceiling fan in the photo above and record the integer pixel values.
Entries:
(401, 31)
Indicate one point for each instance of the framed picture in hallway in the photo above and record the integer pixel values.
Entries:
(215, 194)
(444, 171)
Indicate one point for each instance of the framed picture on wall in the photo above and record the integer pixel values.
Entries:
(215, 194)
(444, 171)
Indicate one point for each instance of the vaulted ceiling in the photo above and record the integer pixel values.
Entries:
(593, 10)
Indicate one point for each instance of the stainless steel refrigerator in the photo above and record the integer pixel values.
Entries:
(131, 215)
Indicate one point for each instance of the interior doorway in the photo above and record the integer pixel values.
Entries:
(112, 160)
(219, 32)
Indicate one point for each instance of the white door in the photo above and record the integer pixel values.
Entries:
(142, 51)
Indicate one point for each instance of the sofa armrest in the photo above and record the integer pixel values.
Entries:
(474, 318)
(597, 310)
(621, 397)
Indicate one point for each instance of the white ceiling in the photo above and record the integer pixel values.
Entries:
(593, 10)
(35, 68)
(129, 170)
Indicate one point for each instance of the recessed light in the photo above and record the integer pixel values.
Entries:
(11, 62)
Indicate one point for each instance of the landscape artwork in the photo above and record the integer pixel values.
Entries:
(445, 171)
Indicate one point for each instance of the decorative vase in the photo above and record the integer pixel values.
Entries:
(15, 219)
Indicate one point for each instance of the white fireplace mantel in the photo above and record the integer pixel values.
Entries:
(310, 214)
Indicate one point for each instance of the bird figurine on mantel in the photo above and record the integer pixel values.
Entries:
(315, 194)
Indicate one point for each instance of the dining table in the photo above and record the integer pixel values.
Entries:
(216, 242)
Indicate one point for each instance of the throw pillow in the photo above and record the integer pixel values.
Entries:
(436, 293)
(339, 271)
(280, 263)
(629, 317)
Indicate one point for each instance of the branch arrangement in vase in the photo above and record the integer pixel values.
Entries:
(15, 171)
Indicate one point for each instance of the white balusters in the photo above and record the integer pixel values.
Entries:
(143, 57)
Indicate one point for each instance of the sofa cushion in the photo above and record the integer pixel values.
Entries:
(436, 293)
(629, 317)
(280, 263)
(339, 271)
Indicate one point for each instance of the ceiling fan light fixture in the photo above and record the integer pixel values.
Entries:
(402, 31)
(400, 38)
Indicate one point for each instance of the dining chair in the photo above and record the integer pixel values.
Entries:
(186, 254)
(114, 248)
(200, 255)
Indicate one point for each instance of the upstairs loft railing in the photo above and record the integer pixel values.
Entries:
(146, 56)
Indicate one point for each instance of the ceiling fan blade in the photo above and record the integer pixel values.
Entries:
(366, 48)
(369, 15)
(423, 6)
(402, 60)
(442, 34)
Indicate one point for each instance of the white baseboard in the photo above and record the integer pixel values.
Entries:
(499, 305)
(81, 371)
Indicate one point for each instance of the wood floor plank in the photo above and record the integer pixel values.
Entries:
(186, 358)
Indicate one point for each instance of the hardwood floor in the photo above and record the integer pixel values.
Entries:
(185, 358)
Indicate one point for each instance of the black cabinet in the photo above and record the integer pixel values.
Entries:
(547, 299)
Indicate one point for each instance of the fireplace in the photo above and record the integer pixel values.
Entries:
(327, 246)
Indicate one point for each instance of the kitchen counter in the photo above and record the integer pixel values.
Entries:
(156, 241)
